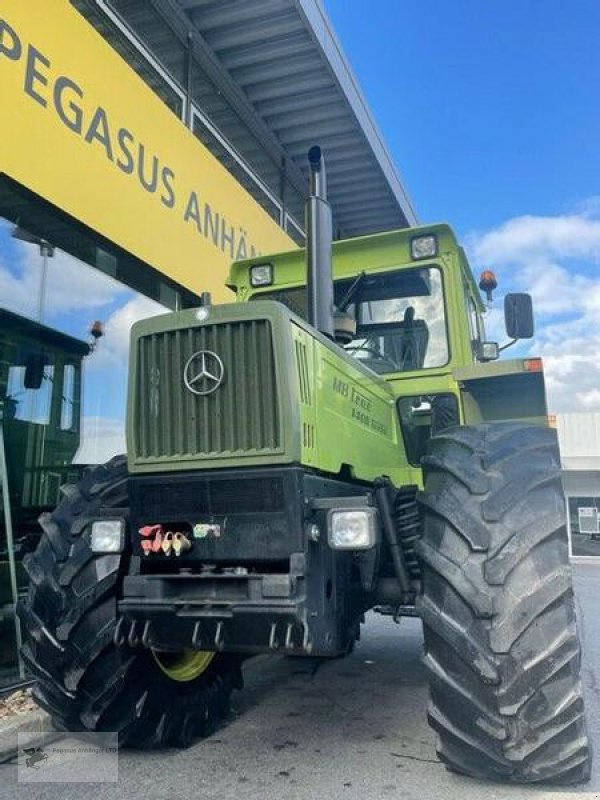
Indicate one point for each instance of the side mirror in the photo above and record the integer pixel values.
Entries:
(34, 371)
(518, 316)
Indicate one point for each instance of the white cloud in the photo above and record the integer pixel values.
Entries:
(557, 260)
(105, 381)
(113, 348)
(101, 439)
(70, 284)
(524, 238)
(105, 384)
(591, 399)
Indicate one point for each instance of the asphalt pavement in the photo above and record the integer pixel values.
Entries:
(352, 728)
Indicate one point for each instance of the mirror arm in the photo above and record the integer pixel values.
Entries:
(508, 344)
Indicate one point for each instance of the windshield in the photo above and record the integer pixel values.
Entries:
(400, 318)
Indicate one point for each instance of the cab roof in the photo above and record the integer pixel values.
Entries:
(16, 325)
(352, 256)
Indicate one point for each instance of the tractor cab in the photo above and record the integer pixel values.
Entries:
(406, 305)
(403, 303)
(40, 400)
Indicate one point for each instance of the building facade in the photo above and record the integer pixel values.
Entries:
(579, 437)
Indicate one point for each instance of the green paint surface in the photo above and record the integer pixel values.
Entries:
(289, 395)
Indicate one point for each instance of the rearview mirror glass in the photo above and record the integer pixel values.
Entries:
(518, 316)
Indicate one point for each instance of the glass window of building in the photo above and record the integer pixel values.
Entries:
(62, 402)
(584, 524)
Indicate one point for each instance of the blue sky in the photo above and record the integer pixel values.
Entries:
(491, 111)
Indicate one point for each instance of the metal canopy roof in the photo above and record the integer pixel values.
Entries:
(266, 79)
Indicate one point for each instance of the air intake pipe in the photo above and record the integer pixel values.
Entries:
(319, 236)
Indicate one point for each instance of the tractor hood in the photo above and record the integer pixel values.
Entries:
(252, 384)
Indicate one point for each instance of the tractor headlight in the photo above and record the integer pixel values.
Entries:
(423, 247)
(261, 275)
(108, 536)
(352, 529)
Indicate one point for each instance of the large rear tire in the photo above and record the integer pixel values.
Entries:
(69, 616)
(501, 645)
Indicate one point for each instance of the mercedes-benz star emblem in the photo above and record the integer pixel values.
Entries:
(203, 372)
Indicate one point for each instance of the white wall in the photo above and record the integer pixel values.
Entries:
(579, 438)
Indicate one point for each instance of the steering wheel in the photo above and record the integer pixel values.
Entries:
(366, 349)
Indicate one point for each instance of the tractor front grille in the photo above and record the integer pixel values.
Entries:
(194, 497)
(240, 417)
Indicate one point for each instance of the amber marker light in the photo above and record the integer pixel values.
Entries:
(533, 365)
(487, 283)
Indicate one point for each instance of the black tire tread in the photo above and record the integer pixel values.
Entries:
(83, 680)
(501, 645)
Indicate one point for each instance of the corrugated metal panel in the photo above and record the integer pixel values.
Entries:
(271, 76)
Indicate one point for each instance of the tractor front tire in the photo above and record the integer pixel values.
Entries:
(501, 646)
(83, 679)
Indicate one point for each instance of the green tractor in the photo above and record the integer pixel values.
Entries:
(40, 399)
(341, 439)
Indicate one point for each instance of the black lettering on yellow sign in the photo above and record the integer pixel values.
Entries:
(67, 99)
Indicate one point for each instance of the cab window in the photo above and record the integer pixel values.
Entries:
(476, 332)
(401, 322)
(400, 317)
(27, 400)
(473, 324)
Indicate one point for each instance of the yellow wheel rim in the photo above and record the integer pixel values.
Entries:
(184, 666)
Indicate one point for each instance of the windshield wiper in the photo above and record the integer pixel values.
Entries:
(349, 296)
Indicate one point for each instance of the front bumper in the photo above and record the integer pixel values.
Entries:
(252, 613)
(265, 585)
